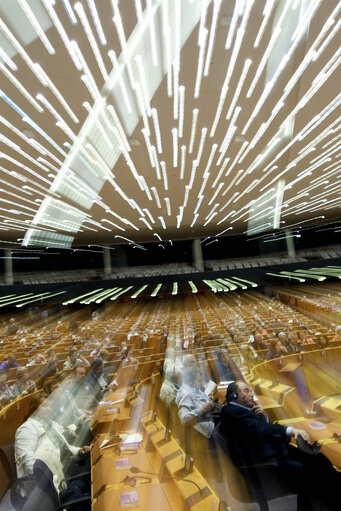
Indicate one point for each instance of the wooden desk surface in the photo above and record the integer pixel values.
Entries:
(331, 448)
(151, 497)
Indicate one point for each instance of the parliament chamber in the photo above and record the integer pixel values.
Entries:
(170, 256)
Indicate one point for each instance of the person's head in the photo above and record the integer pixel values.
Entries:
(39, 405)
(188, 361)
(282, 337)
(51, 385)
(97, 367)
(39, 359)
(192, 377)
(258, 337)
(79, 372)
(241, 393)
(22, 373)
(322, 341)
(292, 338)
(73, 354)
(197, 338)
(3, 378)
(11, 360)
(51, 355)
(224, 356)
(104, 354)
(278, 346)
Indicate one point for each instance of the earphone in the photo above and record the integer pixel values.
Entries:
(235, 396)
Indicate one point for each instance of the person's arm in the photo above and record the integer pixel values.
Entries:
(190, 412)
(15, 390)
(26, 443)
(243, 422)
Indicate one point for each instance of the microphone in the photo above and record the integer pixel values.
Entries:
(136, 470)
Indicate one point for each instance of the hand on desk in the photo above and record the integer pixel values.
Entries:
(84, 450)
(301, 432)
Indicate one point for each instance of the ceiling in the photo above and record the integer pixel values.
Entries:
(153, 120)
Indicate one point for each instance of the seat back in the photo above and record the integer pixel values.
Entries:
(36, 492)
(5, 473)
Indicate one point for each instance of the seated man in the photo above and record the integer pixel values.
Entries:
(225, 369)
(23, 385)
(9, 363)
(6, 394)
(93, 387)
(254, 441)
(194, 406)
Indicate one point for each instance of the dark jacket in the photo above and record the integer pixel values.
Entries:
(251, 439)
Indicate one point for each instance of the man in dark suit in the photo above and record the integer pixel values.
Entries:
(252, 441)
(93, 386)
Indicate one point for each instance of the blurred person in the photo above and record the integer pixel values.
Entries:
(128, 359)
(170, 386)
(337, 336)
(250, 356)
(257, 341)
(293, 344)
(172, 360)
(225, 368)
(73, 358)
(11, 328)
(194, 406)
(276, 350)
(39, 437)
(9, 363)
(305, 337)
(93, 387)
(322, 341)
(6, 394)
(198, 342)
(37, 360)
(68, 414)
(96, 351)
(23, 384)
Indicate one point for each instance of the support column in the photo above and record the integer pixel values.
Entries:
(107, 260)
(197, 258)
(8, 267)
(290, 243)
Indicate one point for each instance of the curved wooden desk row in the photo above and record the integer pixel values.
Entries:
(12, 416)
(160, 455)
(303, 391)
(321, 370)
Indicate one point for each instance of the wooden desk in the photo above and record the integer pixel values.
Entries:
(115, 417)
(151, 496)
(160, 494)
(331, 448)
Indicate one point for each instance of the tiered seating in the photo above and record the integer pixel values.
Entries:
(149, 327)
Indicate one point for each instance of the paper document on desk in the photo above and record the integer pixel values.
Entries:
(131, 441)
(317, 426)
(210, 387)
(130, 499)
(122, 464)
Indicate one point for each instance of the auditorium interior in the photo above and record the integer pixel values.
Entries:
(170, 255)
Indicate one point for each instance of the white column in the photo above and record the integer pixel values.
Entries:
(290, 243)
(197, 258)
(8, 267)
(107, 260)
